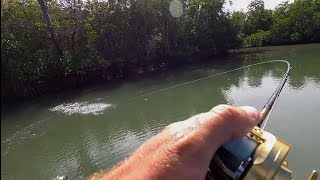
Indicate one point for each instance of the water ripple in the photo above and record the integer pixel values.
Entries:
(31, 131)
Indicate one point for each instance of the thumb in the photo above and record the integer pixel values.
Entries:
(236, 121)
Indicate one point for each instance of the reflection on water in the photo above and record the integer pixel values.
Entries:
(40, 139)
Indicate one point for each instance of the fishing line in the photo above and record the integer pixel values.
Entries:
(210, 76)
(268, 107)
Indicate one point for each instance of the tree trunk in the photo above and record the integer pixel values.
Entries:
(167, 34)
(54, 35)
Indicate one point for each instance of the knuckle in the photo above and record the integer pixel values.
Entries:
(224, 111)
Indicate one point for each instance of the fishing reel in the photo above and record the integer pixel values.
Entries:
(258, 155)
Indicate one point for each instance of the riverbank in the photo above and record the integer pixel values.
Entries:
(115, 74)
(112, 74)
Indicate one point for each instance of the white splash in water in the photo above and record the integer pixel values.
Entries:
(81, 108)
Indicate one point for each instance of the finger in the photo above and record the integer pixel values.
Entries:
(221, 124)
(252, 113)
(236, 121)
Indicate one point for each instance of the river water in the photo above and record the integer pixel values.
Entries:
(79, 132)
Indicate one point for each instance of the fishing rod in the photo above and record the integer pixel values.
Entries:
(264, 114)
(259, 154)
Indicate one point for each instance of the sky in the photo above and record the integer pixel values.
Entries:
(242, 4)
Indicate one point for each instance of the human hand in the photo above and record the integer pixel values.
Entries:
(183, 150)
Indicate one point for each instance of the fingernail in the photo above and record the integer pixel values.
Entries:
(252, 112)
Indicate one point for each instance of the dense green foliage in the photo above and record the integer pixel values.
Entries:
(108, 39)
(298, 22)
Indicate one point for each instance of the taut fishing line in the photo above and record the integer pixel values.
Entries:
(211, 76)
